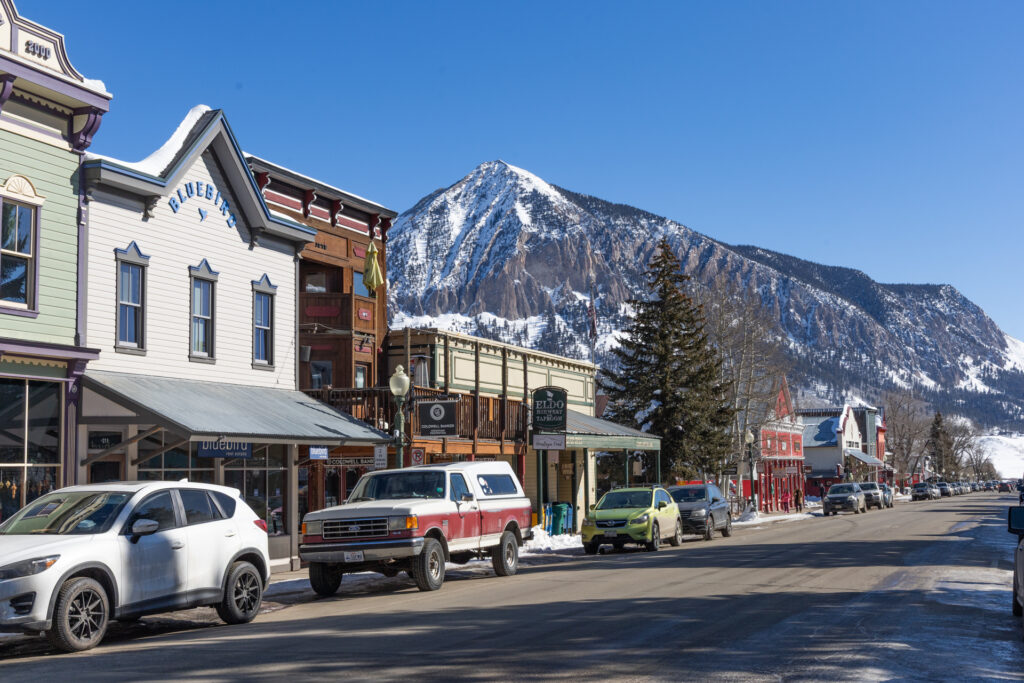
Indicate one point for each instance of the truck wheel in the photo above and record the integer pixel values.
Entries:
(242, 596)
(505, 556)
(428, 566)
(324, 579)
(81, 615)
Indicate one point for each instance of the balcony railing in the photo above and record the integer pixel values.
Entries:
(376, 406)
(338, 311)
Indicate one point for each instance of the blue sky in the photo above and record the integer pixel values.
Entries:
(884, 136)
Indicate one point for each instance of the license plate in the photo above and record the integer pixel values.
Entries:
(611, 534)
(357, 556)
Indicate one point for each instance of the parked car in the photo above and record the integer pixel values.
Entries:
(1004, 487)
(415, 520)
(1015, 525)
(923, 491)
(703, 509)
(844, 497)
(945, 489)
(80, 556)
(872, 494)
(644, 515)
(887, 495)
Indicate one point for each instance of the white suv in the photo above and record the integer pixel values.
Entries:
(74, 559)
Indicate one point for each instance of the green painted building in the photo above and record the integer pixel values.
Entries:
(48, 115)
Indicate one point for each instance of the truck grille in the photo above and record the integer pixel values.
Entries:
(335, 529)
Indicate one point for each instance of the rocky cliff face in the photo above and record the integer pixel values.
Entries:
(503, 254)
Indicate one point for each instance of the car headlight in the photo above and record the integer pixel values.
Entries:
(313, 528)
(587, 521)
(699, 513)
(403, 523)
(27, 567)
(642, 519)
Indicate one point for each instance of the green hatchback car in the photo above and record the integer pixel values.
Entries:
(644, 515)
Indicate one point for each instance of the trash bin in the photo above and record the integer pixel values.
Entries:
(566, 518)
(557, 515)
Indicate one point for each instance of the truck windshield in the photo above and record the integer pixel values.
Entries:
(395, 485)
(80, 512)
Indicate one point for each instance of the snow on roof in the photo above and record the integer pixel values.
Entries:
(156, 162)
(303, 176)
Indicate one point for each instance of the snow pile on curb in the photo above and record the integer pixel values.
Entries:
(751, 518)
(543, 542)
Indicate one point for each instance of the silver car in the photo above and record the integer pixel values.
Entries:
(873, 496)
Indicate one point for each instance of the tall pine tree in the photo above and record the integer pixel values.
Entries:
(668, 381)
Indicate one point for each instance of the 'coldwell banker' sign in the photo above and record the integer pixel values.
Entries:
(224, 449)
(437, 418)
(549, 406)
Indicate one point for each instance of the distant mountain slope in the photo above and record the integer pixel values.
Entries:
(503, 254)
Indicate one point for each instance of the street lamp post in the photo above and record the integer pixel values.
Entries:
(748, 439)
(399, 385)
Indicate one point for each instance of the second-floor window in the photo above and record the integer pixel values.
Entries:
(262, 330)
(17, 255)
(129, 305)
(202, 317)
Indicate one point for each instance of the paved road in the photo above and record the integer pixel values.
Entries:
(917, 592)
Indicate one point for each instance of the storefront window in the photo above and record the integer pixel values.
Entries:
(30, 441)
(174, 465)
(320, 374)
(263, 482)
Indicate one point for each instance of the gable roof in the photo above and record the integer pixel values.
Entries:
(820, 430)
(155, 176)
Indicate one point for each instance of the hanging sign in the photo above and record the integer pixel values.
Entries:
(549, 409)
(380, 457)
(318, 452)
(437, 418)
(224, 449)
(549, 442)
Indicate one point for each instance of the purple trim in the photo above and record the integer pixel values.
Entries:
(57, 85)
(47, 350)
(34, 378)
(81, 140)
(6, 88)
(20, 312)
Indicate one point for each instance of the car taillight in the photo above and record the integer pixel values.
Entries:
(261, 524)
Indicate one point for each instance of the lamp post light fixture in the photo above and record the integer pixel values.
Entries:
(399, 385)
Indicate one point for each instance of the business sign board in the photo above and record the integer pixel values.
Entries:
(319, 452)
(104, 440)
(437, 418)
(380, 457)
(731, 469)
(549, 442)
(549, 407)
(224, 449)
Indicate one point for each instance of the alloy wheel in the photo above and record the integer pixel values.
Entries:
(247, 593)
(86, 615)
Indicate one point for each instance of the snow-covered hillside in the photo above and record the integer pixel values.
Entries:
(1007, 453)
(506, 255)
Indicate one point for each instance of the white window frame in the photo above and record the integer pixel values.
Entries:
(19, 191)
(205, 274)
(263, 287)
(133, 257)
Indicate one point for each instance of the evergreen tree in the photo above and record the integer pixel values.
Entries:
(940, 448)
(668, 377)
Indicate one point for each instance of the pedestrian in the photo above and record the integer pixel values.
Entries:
(798, 500)
(821, 491)
(785, 500)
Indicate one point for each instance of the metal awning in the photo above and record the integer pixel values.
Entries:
(212, 410)
(863, 457)
(584, 431)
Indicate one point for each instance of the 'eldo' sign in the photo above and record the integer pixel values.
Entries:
(549, 406)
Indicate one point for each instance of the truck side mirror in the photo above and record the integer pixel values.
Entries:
(467, 497)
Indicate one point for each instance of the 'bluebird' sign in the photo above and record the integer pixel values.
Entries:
(224, 449)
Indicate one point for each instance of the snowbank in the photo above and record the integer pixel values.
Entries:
(543, 542)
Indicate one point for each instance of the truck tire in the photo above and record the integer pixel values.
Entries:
(428, 566)
(324, 579)
(505, 555)
(243, 594)
(81, 615)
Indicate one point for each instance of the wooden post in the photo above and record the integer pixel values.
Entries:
(447, 384)
(476, 400)
(503, 420)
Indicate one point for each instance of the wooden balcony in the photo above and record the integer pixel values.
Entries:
(338, 311)
(376, 406)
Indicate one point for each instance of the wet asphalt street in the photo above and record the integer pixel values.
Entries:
(918, 592)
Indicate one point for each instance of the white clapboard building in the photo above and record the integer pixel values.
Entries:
(191, 301)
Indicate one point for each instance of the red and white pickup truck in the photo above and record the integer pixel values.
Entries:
(416, 519)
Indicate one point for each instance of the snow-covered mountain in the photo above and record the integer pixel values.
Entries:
(504, 254)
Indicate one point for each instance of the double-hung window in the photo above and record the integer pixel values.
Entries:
(19, 246)
(263, 322)
(202, 318)
(131, 299)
